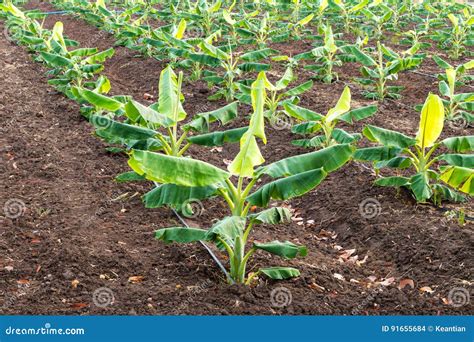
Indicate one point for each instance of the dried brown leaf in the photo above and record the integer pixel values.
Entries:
(426, 289)
(406, 282)
(135, 279)
(387, 282)
(78, 305)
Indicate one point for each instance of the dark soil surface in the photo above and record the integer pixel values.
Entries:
(372, 250)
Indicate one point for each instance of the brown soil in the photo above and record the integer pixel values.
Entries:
(75, 236)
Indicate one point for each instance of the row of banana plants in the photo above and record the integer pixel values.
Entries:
(215, 56)
(157, 140)
(260, 22)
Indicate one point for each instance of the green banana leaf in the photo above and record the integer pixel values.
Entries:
(135, 110)
(462, 160)
(388, 137)
(280, 273)
(460, 144)
(460, 178)
(330, 158)
(379, 153)
(218, 138)
(273, 215)
(359, 114)
(228, 229)
(175, 170)
(287, 249)
(202, 121)
(420, 186)
(180, 234)
(286, 188)
(176, 195)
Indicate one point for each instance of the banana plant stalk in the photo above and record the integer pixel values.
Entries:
(185, 179)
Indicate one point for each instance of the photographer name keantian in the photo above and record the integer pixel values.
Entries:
(454, 328)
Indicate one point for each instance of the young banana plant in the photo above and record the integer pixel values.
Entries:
(384, 67)
(326, 57)
(319, 12)
(257, 32)
(94, 12)
(143, 126)
(138, 37)
(396, 150)
(277, 94)
(462, 75)
(181, 179)
(170, 44)
(236, 22)
(115, 21)
(437, 15)
(399, 10)
(313, 122)
(458, 107)
(297, 29)
(461, 33)
(230, 63)
(297, 6)
(378, 23)
(457, 104)
(349, 11)
(231, 24)
(415, 37)
(411, 6)
(186, 53)
(206, 15)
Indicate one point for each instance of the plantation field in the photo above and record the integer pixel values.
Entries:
(76, 241)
